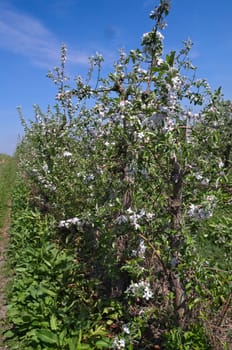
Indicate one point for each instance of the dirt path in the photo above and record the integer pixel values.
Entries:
(3, 277)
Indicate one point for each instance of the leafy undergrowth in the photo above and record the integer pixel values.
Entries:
(45, 309)
(52, 303)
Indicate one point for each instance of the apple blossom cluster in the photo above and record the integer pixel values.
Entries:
(45, 168)
(67, 154)
(141, 289)
(159, 12)
(66, 97)
(70, 222)
(204, 210)
(133, 218)
(140, 251)
(119, 343)
(153, 43)
(126, 329)
(46, 184)
(203, 180)
(148, 38)
(221, 164)
(197, 212)
(170, 95)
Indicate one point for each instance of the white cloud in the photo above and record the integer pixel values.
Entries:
(24, 35)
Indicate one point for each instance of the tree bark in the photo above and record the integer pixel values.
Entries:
(176, 241)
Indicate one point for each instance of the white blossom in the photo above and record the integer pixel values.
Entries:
(67, 154)
(140, 135)
(141, 249)
(121, 219)
(119, 344)
(145, 36)
(201, 178)
(159, 61)
(74, 221)
(69, 222)
(141, 71)
(199, 212)
(149, 216)
(46, 183)
(50, 186)
(147, 294)
(89, 177)
(176, 81)
(221, 164)
(133, 219)
(142, 213)
(205, 181)
(126, 329)
(140, 289)
(159, 35)
(168, 125)
(45, 168)
(130, 211)
(211, 198)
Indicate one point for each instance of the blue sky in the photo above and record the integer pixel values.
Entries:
(31, 34)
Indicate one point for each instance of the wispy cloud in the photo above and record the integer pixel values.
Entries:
(24, 35)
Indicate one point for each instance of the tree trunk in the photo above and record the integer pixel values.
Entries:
(175, 207)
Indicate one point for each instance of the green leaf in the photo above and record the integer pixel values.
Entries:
(103, 344)
(47, 291)
(72, 344)
(46, 336)
(171, 58)
(53, 322)
(109, 322)
(8, 334)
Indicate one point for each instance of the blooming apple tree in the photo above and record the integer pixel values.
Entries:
(132, 165)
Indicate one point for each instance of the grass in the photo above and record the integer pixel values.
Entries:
(7, 175)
